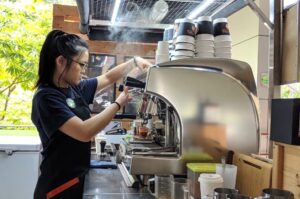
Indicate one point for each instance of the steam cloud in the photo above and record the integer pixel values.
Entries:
(133, 13)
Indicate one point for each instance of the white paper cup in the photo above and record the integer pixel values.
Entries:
(180, 57)
(168, 33)
(162, 47)
(209, 37)
(223, 50)
(204, 52)
(185, 39)
(205, 49)
(204, 55)
(223, 55)
(204, 43)
(162, 58)
(208, 183)
(185, 46)
(184, 53)
(176, 27)
(172, 52)
(228, 173)
(223, 44)
(222, 38)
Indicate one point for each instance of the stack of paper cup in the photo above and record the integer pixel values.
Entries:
(175, 32)
(222, 38)
(204, 37)
(185, 39)
(168, 36)
(162, 52)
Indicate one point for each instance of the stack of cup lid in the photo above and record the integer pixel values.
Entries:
(184, 31)
(204, 37)
(168, 36)
(162, 52)
(222, 38)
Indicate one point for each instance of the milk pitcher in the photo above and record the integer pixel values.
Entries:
(161, 186)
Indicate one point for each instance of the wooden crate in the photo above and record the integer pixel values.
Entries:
(253, 175)
(286, 172)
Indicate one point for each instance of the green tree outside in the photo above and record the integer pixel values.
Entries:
(23, 28)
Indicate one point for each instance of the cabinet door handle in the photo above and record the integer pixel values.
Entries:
(298, 179)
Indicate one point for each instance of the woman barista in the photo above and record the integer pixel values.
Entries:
(61, 114)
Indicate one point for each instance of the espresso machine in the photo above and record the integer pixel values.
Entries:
(206, 110)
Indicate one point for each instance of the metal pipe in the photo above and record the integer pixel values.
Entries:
(260, 14)
(84, 11)
(278, 36)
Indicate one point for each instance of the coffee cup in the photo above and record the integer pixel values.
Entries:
(143, 131)
(186, 31)
(221, 31)
(161, 58)
(168, 33)
(187, 53)
(204, 28)
(162, 48)
(185, 46)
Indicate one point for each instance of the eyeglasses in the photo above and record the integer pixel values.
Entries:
(82, 65)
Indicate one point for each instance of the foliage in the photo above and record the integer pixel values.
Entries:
(23, 28)
(290, 91)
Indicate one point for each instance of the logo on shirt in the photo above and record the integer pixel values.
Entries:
(70, 103)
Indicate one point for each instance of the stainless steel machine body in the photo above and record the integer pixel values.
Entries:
(210, 111)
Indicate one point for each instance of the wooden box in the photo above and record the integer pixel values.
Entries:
(286, 168)
(253, 175)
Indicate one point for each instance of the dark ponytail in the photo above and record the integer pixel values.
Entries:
(58, 43)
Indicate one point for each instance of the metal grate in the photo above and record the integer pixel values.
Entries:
(138, 10)
(102, 9)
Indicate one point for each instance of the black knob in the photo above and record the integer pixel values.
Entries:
(121, 87)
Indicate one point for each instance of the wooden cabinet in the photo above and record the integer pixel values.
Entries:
(286, 168)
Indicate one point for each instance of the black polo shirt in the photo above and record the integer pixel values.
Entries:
(50, 109)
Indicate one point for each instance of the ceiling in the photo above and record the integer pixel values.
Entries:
(135, 10)
(132, 17)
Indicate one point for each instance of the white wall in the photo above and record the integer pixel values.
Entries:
(250, 40)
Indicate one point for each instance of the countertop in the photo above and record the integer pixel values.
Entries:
(109, 184)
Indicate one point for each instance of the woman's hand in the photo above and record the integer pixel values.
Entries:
(124, 97)
(142, 63)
